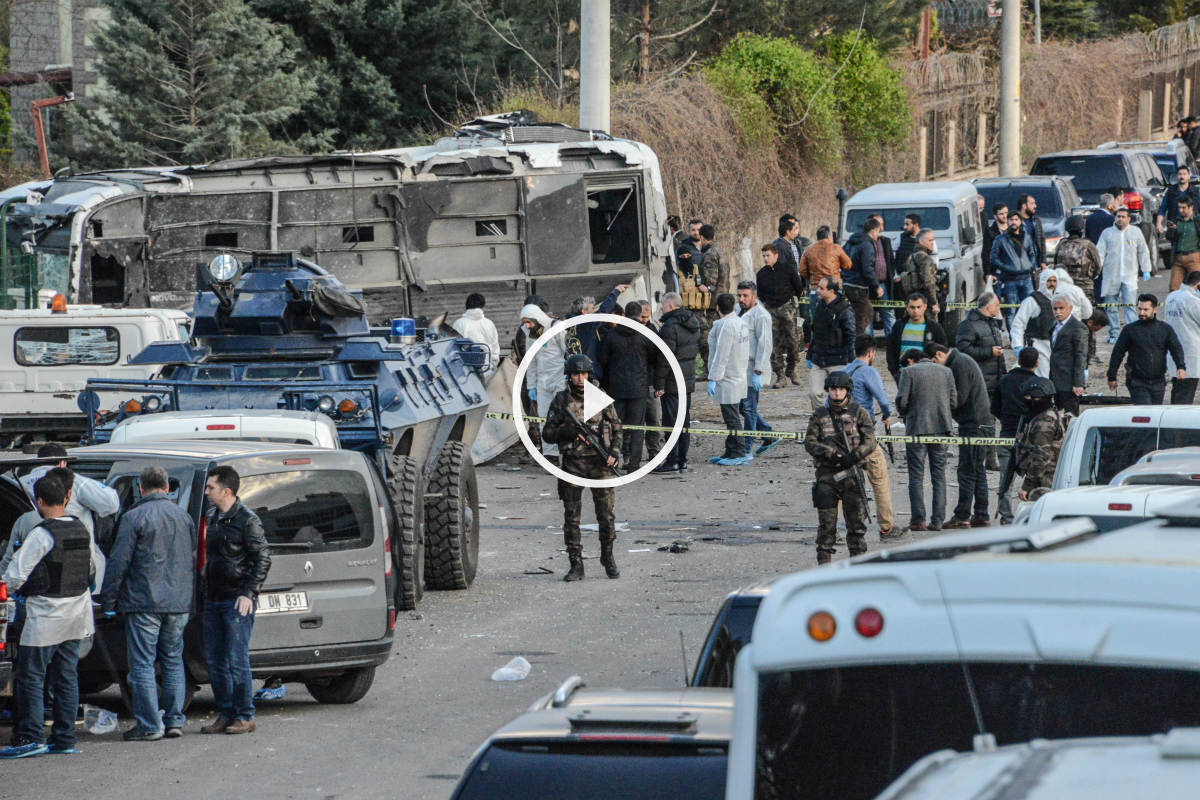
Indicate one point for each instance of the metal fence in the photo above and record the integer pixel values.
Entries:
(20, 280)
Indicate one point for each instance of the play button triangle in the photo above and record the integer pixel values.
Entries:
(594, 400)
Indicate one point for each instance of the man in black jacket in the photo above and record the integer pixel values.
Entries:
(981, 336)
(912, 333)
(689, 253)
(973, 413)
(681, 331)
(627, 356)
(861, 281)
(237, 560)
(832, 346)
(998, 226)
(1068, 356)
(1008, 405)
(908, 238)
(778, 288)
(1147, 341)
(1027, 208)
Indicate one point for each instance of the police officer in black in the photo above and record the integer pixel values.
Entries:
(53, 570)
(581, 457)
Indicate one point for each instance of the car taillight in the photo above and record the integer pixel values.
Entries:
(3, 592)
(1133, 201)
(868, 622)
(219, 427)
(1120, 506)
(201, 545)
(391, 619)
(387, 550)
(1140, 419)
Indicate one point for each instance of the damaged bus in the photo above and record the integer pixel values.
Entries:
(505, 206)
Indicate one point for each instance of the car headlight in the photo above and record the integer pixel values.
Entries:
(325, 404)
(153, 403)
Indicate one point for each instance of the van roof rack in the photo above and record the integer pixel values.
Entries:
(570, 686)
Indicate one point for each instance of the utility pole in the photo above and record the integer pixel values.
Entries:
(595, 65)
(1037, 22)
(1010, 89)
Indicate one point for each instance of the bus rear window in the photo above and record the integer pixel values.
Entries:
(66, 346)
(849, 732)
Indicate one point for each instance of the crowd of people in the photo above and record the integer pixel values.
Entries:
(1016, 366)
(58, 572)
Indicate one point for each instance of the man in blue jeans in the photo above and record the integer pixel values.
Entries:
(151, 579)
(237, 560)
(52, 569)
(1014, 260)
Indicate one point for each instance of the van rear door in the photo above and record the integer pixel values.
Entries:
(327, 581)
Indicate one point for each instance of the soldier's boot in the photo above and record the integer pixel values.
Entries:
(824, 557)
(607, 560)
(792, 377)
(576, 571)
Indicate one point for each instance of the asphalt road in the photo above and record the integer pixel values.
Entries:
(433, 702)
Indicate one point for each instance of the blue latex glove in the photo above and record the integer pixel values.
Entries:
(533, 395)
(756, 382)
(1085, 376)
(1017, 350)
(712, 388)
(1145, 276)
(808, 362)
(109, 614)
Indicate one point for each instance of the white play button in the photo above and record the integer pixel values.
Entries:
(594, 400)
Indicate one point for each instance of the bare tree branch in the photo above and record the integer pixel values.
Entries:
(682, 66)
(432, 110)
(479, 12)
(689, 28)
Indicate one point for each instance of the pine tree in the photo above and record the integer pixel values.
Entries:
(190, 81)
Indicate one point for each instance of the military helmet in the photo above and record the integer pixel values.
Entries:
(578, 363)
(838, 380)
(1037, 387)
(1076, 223)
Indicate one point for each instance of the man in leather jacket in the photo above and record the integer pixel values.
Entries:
(237, 560)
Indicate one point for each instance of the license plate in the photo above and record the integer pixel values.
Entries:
(282, 602)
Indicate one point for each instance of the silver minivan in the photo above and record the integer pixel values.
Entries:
(326, 613)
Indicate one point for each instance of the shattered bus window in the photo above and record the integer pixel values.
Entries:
(613, 224)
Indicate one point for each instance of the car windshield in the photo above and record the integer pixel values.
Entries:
(1092, 175)
(315, 511)
(1107, 451)
(596, 771)
(1049, 202)
(849, 732)
(935, 217)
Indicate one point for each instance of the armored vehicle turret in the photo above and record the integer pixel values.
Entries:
(279, 332)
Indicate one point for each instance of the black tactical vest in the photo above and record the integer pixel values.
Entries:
(1039, 327)
(66, 570)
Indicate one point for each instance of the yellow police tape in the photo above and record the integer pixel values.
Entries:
(974, 441)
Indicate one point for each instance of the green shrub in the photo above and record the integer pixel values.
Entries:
(870, 99)
(787, 81)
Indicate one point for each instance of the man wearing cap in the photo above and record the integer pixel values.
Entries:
(581, 456)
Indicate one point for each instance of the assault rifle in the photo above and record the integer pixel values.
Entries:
(1010, 471)
(594, 440)
(856, 471)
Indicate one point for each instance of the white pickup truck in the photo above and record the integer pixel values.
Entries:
(1103, 441)
(54, 352)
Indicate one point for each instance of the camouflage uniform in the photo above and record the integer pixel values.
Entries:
(1080, 258)
(785, 343)
(582, 459)
(835, 479)
(714, 273)
(1037, 451)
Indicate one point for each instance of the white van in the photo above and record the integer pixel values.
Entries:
(52, 354)
(1166, 766)
(857, 670)
(1110, 507)
(249, 424)
(949, 208)
(1103, 441)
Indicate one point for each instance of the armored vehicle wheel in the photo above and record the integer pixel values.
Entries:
(452, 524)
(408, 544)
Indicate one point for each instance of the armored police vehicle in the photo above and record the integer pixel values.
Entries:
(279, 332)
(506, 206)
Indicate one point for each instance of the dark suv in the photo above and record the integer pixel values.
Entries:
(1055, 196)
(1095, 172)
(592, 744)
